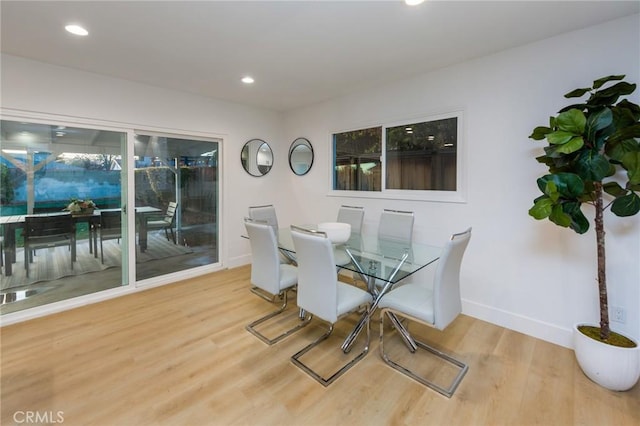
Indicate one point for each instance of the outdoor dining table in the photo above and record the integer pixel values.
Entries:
(380, 263)
(12, 223)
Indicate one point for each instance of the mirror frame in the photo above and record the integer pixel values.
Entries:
(244, 157)
(295, 144)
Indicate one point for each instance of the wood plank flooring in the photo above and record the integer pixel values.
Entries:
(179, 355)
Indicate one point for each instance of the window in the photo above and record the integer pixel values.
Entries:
(417, 159)
(358, 164)
(422, 156)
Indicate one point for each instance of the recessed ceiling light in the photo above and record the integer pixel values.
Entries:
(247, 80)
(413, 2)
(77, 30)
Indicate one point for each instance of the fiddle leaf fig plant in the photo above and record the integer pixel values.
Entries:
(593, 157)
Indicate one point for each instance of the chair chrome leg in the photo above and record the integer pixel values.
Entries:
(251, 327)
(404, 333)
(295, 359)
(263, 294)
(446, 391)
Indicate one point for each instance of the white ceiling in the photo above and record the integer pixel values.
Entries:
(299, 52)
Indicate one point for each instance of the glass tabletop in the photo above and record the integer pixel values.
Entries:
(373, 257)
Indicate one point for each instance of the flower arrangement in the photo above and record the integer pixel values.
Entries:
(80, 206)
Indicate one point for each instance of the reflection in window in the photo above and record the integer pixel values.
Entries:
(357, 162)
(422, 156)
(413, 156)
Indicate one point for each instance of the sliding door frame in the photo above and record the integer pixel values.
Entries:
(129, 284)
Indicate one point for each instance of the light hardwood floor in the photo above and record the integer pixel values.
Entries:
(179, 355)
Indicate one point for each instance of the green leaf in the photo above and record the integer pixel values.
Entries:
(615, 150)
(569, 185)
(618, 89)
(552, 191)
(628, 132)
(539, 133)
(579, 107)
(634, 109)
(559, 137)
(598, 120)
(631, 162)
(614, 189)
(572, 146)
(627, 205)
(601, 81)
(579, 222)
(610, 95)
(559, 217)
(592, 166)
(541, 209)
(572, 121)
(577, 92)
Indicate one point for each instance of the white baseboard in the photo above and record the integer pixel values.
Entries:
(529, 326)
(238, 261)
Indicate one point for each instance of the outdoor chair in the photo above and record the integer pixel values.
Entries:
(167, 222)
(110, 228)
(47, 232)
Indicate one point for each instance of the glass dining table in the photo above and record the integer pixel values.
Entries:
(380, 263)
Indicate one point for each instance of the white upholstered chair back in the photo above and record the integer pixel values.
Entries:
(446, 287)
(354, 216)
(396, 226)
(265, 261)
(265, 214)
(317, 276)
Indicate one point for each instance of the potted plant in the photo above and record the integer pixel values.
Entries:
(80, 207)
(593, 156)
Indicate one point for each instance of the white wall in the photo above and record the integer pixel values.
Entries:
(520, 273)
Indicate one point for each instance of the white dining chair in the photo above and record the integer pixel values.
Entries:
(266, 213)
(322, 295)
(352, 215)
(436, 306)
(271, 276)
(396, 225)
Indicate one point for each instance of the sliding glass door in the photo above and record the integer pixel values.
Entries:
(49, 170)
(176, 202)
(53, 170)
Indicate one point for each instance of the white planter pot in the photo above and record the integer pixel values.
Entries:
(609, 366)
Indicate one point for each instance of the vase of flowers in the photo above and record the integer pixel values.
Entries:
(80, 207)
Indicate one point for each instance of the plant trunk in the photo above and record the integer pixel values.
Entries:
(602, 275)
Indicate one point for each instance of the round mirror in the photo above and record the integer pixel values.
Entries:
(301, 156)
(256, 157)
